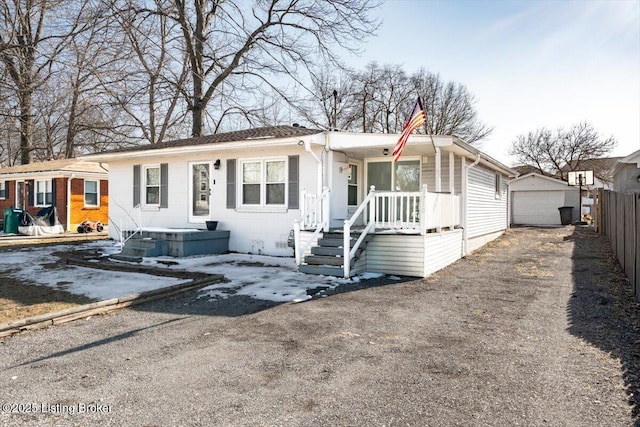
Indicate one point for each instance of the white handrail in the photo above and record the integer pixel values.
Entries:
(348, 251)
(321, 225)
(314, 208)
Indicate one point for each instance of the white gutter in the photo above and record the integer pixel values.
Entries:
(190, 149)
(465, 201)
(73, 175)
(307, 147)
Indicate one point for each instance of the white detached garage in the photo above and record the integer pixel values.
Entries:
(535, 200)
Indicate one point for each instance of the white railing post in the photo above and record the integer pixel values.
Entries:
(326, 209)
(423, 210)
(303, 205)
(346, 253)
(372, 208)
(296, 242)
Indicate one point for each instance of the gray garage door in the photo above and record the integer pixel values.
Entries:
(537, 207)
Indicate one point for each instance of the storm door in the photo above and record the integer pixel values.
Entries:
(200, 197)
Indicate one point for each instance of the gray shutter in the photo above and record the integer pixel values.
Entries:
(136, 185)
(164, 185)
(231, 183)
(294, 179)
(31, 192)
(6, 189)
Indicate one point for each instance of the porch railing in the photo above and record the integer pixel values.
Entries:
(127, 225)
(404, 211)
(314, 209)
(314, 214)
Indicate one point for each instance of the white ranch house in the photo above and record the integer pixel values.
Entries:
(351, 207)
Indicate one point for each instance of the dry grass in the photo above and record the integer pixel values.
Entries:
(19, 300)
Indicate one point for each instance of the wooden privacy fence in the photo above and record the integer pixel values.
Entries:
(618, 218)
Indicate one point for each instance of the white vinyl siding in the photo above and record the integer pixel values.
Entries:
(410, 255)
(396, 254)
(486, 213)
(429, 173)
(442, 249)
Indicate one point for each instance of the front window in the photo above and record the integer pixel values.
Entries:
(44, 193)
(352, 190)
(91, 193)
(264, 182)
(152, 185)
(3, 190)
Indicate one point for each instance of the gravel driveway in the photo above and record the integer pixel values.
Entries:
(537, 328)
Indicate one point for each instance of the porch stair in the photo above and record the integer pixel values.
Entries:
(136, 248)
(327, 258)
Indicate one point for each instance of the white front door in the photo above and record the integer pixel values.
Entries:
(200, 191)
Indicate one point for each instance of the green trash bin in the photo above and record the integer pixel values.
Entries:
(11, 220)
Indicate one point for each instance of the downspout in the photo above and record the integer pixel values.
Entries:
(465, 198)
(307, 147)
(73, 175)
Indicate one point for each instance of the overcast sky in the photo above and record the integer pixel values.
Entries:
(529, 63)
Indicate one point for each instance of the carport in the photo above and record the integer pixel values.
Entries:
(535, 200)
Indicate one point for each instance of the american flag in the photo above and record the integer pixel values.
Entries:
(416, 119)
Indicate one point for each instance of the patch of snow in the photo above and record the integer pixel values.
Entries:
(169, 230)
(256, 276)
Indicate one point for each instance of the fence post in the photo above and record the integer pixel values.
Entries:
(303, 206)
(423, 209)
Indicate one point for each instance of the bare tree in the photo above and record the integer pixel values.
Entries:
(563, 151)
(30, 41)
(232, 47)
(449, 107)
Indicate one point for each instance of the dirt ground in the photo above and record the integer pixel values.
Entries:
(537, 328)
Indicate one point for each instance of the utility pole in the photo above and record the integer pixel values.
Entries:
(335, 110)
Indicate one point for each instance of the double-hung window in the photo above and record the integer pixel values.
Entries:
(264, 182)
(3, 190)
(498, 185)
(44, 193)
(91, 193)
(152, 185)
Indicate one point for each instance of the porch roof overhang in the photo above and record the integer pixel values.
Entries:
(372, 145)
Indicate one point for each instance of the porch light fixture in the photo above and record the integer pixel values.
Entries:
(216, 165)
(385, 152)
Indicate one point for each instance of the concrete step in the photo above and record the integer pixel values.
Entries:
(323, 260)
(144, 247)
(321, 269)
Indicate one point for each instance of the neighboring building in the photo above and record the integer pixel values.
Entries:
(441, 200)
(626, 174)
(535, 200)
(78, 189)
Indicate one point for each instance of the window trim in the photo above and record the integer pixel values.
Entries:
(498, 185)
(3, 189)
(97, 205)
(262, 206)
(48, 183)
(144, 186)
